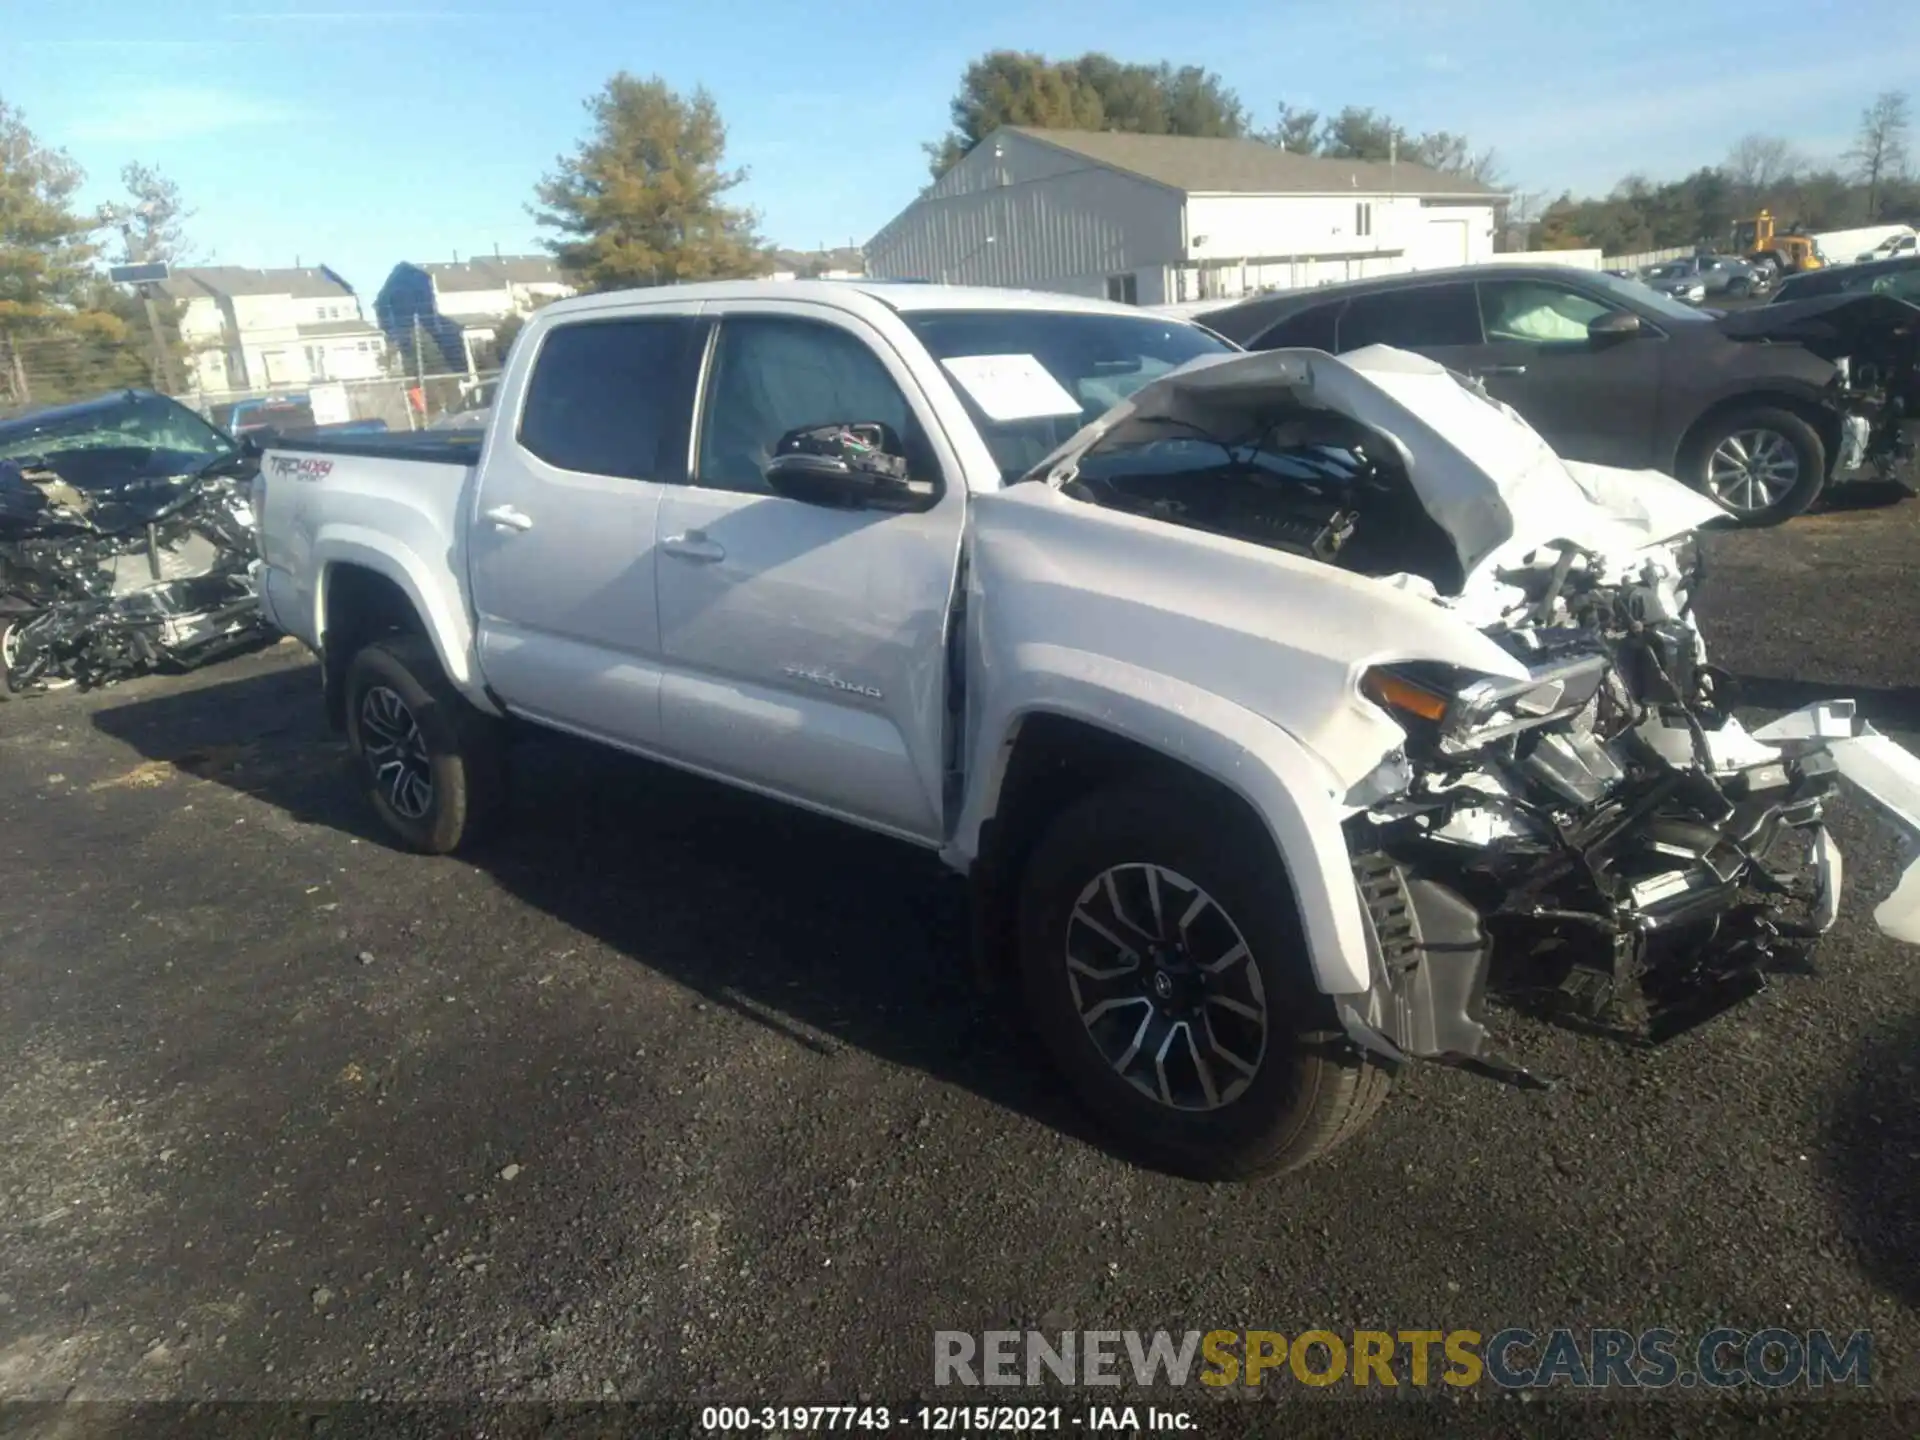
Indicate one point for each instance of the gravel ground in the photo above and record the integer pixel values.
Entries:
(672, 1093)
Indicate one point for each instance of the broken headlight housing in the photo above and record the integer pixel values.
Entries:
(1459, 711)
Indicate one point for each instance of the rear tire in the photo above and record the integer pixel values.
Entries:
(431, 763)
(1194, 1084)
(1764, 465)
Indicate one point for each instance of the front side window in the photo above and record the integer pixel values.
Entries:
(609, 397)
(772, 375)
(1424, 317)
(1538, 313)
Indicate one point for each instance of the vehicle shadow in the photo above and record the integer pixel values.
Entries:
(825, 934)
(1863, 495)
(1872, 1157)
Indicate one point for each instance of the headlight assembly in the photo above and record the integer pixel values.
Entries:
(1460, 711)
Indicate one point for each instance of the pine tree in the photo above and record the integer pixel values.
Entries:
(641, 201)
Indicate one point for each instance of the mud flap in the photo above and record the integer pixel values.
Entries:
(1886, 773)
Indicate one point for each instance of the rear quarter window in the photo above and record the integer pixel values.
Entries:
(1420, 318)
(613, 397)
(1314, 329)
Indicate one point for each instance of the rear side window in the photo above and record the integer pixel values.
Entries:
(1416, 319)
(1313, 329)
(611, 397)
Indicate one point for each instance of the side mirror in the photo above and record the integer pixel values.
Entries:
(820, 480)
(1614, 325)
(847, 467)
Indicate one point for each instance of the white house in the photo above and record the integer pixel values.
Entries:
(1161, 219)
(272, 329)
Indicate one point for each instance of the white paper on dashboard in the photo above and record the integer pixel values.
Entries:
(1012, 387)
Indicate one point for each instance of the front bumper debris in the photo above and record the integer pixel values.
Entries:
(1670, 952)
(1888, 774)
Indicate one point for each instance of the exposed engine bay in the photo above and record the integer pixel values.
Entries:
(1592, 836)
(98, 585)
(1313, 483)
(1874, 339)
(1602, 842)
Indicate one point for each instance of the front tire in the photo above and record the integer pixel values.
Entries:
(1764, 465)
(1165, 972)
(427, 759)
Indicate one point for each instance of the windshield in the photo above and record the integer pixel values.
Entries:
(1646, 298)
(1095, 362)
(132, 421)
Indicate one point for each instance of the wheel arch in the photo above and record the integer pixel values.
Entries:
(365, 592)
(1068, 735)
(1825, 421)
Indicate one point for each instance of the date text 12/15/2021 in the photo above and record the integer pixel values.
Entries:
(945, 1419)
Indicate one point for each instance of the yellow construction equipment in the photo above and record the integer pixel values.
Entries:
(1786, 251)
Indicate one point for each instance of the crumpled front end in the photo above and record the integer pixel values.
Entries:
(97, 588)
(1602, 843)
(1574, 819)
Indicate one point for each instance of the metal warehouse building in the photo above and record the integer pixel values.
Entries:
(1159, 219)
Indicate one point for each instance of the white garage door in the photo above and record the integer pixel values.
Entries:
(1443, 243)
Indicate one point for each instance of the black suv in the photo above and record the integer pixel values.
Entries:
(1607, 370)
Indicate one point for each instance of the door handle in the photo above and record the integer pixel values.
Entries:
(694, 546)
(505, 517)
(1485, 370)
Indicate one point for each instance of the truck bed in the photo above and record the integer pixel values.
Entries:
(439, 447)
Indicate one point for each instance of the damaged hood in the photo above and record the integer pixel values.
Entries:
(1489, 480)
(1828, 325)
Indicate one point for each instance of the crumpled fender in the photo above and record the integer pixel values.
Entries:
(1886, 773)
(1292, 791)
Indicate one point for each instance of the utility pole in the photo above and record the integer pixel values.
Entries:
(419, 368)
(140, 273)
(161, 358)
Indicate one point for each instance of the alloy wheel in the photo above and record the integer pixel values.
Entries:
(1165, 984)
(396, 752)
(1751, 470)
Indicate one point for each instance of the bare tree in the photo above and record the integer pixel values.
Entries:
(1452, 154)
(1879, 151)
(1757, 163)
(1295, 129)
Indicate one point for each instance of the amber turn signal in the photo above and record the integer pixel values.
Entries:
(1397, 693)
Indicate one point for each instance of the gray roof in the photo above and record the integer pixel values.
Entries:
(326, 329)
(1203, 165)
(496, 272)
(306, 283)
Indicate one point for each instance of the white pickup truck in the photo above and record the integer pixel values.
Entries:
(1279, 707)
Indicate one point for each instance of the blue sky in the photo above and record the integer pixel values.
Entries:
(356, 134)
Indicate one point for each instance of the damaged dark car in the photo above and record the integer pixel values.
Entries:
(126, 543)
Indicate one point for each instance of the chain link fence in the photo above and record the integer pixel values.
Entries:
(38, 370)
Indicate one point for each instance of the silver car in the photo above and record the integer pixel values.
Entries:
(1696, 277)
